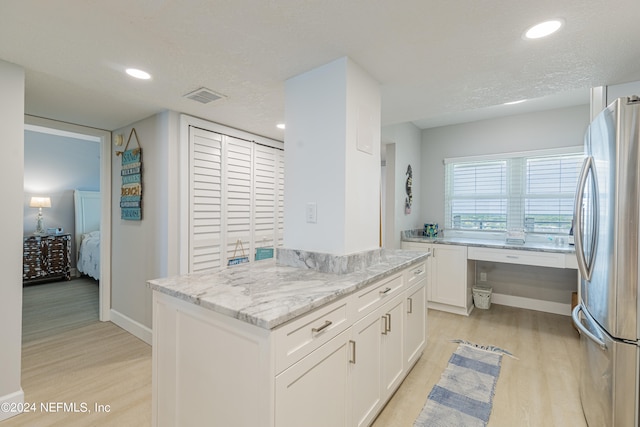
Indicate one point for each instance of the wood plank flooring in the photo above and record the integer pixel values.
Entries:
(72, 357)
(539, 388)
(69, 356)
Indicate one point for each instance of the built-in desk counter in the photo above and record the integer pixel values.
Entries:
(452, 281)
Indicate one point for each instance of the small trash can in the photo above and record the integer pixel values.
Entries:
(482, 297)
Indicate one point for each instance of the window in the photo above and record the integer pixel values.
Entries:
(532, 191)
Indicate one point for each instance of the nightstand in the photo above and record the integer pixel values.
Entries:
(46, 257)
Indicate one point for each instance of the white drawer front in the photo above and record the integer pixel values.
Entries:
(376, 294)
(301, 336)
(415, 274)
(509, 256)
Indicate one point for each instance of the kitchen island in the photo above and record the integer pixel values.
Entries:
(265, 344)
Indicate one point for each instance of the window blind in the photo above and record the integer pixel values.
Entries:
(532, 191)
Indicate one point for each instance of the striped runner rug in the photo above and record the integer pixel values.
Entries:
(464, 394)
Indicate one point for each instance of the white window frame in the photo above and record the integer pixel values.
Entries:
(516, 188)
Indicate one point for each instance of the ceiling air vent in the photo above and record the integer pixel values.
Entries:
(204, 95)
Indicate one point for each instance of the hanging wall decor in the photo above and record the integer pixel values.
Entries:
(409, 199)
(131, 173)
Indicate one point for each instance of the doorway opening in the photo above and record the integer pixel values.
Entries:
(69, 143)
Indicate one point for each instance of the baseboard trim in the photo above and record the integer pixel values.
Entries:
(532, 304)
(128, 324)
(14, 400)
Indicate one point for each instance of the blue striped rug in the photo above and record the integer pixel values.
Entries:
(464, 394)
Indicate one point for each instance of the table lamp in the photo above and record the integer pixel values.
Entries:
(40, 202)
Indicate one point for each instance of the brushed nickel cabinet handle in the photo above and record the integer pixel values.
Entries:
(353, 352)
(410, 308)
(386, 291)
(388, 324)
(385, 327)
(417, 272)
(323, 327)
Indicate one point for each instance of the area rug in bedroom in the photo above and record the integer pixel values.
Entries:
(464, 394)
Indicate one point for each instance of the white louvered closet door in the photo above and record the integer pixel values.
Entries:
(239, 196)
(236, 194)
(205, 222)
(280, 194)
(265, 196)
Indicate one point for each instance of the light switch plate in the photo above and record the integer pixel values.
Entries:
(312, 212)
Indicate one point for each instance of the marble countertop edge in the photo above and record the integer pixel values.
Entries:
(267, 295)
(495, 244)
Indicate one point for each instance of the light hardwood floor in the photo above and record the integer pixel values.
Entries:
(539, 388)
(68, 356)
(83, 360)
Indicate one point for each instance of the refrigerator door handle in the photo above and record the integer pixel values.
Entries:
(576, 321)
(586, 268)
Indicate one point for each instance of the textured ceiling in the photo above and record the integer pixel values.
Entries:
(438, 62)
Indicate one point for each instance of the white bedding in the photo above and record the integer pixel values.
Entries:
(89, 255)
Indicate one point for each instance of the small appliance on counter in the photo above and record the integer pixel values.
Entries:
(431, 230)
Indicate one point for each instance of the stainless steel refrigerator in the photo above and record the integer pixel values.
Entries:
(606, 231)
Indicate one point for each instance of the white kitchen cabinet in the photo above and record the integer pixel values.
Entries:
(334, 365)
(378, 366)
(392, 345)
(451, 277)
(415, 332)
(366, 368)
(315, 391)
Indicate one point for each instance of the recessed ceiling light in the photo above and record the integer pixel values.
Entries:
(138, 74)
(515, 102)
(543, 29)
(280, 125)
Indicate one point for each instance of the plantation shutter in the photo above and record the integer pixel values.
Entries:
(265, 196)
(280, 194)
(533, 191)
(205, 224)
(236, 194)
(550, 191)
(476, 195)
(239, 195)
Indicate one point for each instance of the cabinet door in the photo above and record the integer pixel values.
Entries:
(365, 368)
(415, 323)
(315, 391)
(449, 275)
(392, 345)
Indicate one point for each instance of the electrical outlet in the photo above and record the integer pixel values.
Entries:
(483, 276)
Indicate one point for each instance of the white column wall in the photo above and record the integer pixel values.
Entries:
(323, 165)
(362, 179)
(12, 176)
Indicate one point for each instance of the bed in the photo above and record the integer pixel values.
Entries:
(87, 232)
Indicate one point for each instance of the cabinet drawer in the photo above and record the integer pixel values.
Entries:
(301, 336)
(415, 274)
(542, 259)
(376, 294)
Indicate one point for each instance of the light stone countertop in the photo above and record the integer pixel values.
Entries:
(267, 295)
(492, 243)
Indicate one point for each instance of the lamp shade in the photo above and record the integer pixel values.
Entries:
(40, 202)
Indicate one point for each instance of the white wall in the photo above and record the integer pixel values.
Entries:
(547, 129)
(11, 174)
(147, 249)
(405, 142)
(322, 164)
(362, 180)
(542, 130)
(627, 89)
